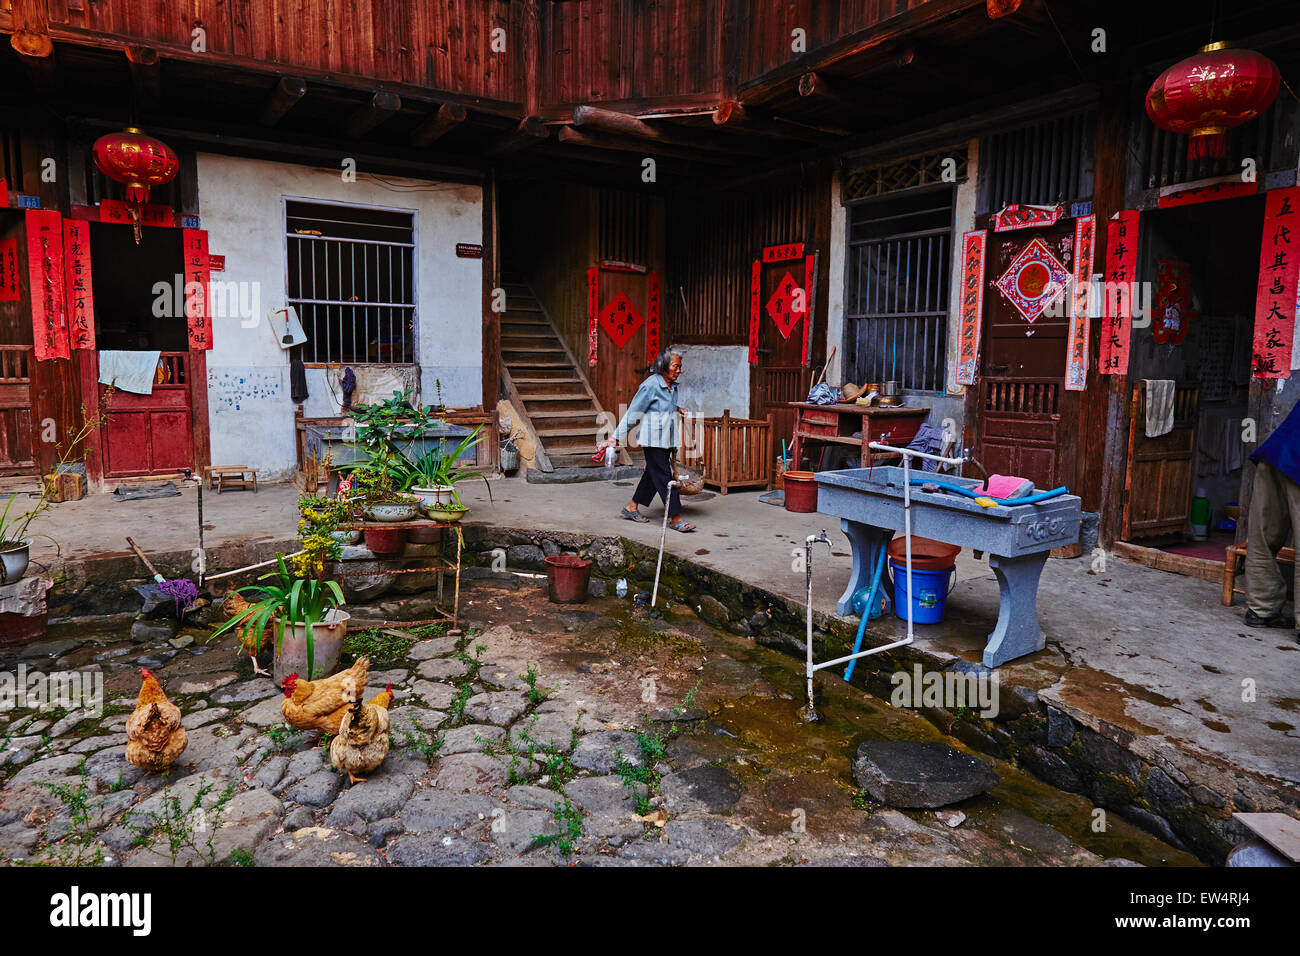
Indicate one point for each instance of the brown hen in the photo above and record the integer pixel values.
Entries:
(319, 704)
(362, 743)
(154, 735)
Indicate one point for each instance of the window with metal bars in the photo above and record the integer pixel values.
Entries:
(896, 307)
(1050, 161)
(350, 275)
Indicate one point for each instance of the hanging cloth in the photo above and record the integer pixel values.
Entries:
(1160, 406)
(297, 380)
(129, 371)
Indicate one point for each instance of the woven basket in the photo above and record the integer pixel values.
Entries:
(689, 483)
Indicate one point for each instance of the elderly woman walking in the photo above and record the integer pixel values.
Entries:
(655, 404)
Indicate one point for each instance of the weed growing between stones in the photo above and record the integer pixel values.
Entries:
(240, 858)
(653, 744)
(569, 820)
(417, 740)
(78, 847)
(282, 738)
(180, 827)
(535, 694)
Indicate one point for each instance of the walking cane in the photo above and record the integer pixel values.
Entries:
(663, 539)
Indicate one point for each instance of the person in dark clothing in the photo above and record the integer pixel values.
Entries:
(1274, 514)
(655, 404)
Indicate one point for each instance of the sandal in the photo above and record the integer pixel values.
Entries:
(632, 515)
(682, 525)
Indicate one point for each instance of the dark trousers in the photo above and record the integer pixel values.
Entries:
(654, 480)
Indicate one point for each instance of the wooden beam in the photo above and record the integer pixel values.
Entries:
(382, 105)
(849, 96)
(438, 123)
(623, 124)
(627, 145)
(288, 91)
(530, 131)
(146, 82)
(31, 41)
(733, 115)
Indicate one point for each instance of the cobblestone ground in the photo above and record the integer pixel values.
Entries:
(593, 735)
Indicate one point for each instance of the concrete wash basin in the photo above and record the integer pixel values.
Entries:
(869, 504)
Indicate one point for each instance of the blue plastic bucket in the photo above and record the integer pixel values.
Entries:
(929, 590)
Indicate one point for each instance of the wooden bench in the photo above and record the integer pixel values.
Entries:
(236, 476)
(1237, 553)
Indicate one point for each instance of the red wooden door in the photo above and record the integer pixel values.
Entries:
(1023, 352)
(780, 377)
(17, 434)
(151, 434)
(622, 330)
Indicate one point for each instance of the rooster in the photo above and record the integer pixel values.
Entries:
(154, 735)
(236, 607)
(319, 704)
(362, 742)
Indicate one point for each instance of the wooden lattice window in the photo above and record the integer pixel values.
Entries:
(910, 173)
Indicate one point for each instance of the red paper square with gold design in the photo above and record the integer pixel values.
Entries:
(781, 307)
(620, 319)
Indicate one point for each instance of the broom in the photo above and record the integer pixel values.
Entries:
(180, 589)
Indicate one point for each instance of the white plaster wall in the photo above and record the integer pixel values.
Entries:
(249, 409)
(837, 281)
(715, 378)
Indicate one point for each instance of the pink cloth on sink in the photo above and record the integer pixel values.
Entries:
(1003, 486)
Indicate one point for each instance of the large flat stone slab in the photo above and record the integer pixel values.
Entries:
(920, 774)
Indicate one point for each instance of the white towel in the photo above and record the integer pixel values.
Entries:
(129, 371)
(1160, 406)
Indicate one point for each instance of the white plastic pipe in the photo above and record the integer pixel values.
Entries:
(908, 454)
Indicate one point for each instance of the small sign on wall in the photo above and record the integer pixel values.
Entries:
(469, 250)
(286, 328)
(216, 263)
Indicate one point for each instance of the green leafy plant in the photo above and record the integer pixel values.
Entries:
(438, 469)
(179, 827)
(304, 601)
(570, 825)
(77, 847)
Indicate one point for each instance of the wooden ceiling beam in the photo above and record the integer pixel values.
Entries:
(852, 97)
(382, 105)
(438, 123)
(530, 131)
(146, 77)
(733, 115)
(624, 124)
(627, 145)
(31, 41)
(289, 90)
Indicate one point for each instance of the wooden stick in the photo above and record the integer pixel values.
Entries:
(140, 554)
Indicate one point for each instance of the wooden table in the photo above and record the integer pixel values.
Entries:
(836, 424)
(236, 476)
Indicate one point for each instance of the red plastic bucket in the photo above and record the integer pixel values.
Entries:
(800, 492)
(386, 540)
(927, 554)
(567, 577)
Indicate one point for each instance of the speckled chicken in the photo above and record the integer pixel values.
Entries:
(236, 607)
(362, 743)
(319, 704)
(154, 735)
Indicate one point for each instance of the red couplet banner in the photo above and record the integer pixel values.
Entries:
(198, 303)
(1119, 274)
(593, 310)
(45, 272)
(80, 292)
(1076, 358)
(754, 273)
(1275, 299)
(972, 305)
(9, 270)
(652, 319)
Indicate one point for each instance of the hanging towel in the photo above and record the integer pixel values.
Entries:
(1160, 406)
(129, 371)
(928, 441)
(297, 380)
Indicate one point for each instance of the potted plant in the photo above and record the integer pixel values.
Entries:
(15, 546)
(308, 621)
(380, 502)
(437, 477)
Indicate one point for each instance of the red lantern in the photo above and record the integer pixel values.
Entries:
(1207, 94)
(140, 162)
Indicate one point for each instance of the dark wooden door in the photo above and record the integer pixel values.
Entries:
(622, 335)
(1158, 478)
(151, 434)
(17, 431)
(780, 377)
(1023, 351)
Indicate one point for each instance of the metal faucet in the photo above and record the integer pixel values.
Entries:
(970, 459)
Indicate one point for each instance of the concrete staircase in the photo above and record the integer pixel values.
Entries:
(545, 382)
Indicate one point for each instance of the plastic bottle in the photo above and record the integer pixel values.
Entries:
(1201, 514)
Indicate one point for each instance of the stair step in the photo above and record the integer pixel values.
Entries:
(551, 397)
(529, 335)
(538, 364)
(577, 415)
(572, 380)
(565, 432)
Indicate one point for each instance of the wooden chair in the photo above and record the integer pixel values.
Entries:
(1237, 553)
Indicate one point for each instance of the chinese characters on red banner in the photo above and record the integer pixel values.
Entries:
(1076, 357)
(9, 270)
(593, 310)
(652, 319)
(151, 214)
(791, 250)
(809, 277)
(198, 304)
(1119, 270)
(80, 293)
(754, 273)
(45, 272)
(1279, 256)
(972, 305)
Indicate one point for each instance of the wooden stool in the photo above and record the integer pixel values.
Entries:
(1235, 553)
(236, 476)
